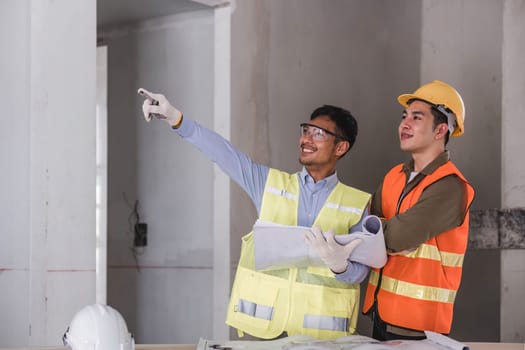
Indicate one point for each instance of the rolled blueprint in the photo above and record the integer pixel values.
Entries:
(372, 251)
(280, 246)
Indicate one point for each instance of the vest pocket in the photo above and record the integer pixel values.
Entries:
(259, 304)
(324, 312)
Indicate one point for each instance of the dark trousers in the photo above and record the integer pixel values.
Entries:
(379, 331)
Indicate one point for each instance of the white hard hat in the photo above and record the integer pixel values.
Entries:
(98, 327)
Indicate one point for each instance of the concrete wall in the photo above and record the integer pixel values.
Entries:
(466, 50)
(307, 70)
(164, 290)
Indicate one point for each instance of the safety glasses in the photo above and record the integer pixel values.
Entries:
(317, 133)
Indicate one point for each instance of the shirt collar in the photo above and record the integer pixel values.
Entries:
(429, 169)
(329, 180)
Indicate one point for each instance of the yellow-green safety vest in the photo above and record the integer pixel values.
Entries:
(307, 301)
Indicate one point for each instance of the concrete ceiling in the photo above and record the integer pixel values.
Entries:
(116, 12)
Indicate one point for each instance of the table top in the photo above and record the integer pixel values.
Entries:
(472, 345)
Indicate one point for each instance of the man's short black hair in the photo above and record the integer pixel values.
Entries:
(345, 123)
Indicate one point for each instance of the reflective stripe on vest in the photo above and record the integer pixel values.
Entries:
(307, 301)
(412, 290)
(280, 192)
(432, 252)
(255, 310)
(264, 312)
(339, 324)
(336, 206)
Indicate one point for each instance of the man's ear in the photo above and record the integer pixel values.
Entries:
(441, 131)
(341, 148)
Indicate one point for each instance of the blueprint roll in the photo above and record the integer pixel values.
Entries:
(280, 246)
(372, 251)
(372, 224)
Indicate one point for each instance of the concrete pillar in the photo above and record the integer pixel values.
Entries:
(48, 246)
(513, 169)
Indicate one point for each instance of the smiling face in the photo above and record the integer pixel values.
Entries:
(417, 133)
(320, 156)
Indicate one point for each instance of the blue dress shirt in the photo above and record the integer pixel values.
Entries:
(252, 177)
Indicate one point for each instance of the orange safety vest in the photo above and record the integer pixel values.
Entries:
(418, 288)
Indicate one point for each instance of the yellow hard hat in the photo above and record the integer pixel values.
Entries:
(439, 94)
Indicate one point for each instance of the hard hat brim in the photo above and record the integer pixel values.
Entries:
(403, 99)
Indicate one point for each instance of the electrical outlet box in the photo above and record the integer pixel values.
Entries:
(141, 235)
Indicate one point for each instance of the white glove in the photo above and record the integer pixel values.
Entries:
(333, 254)
(158, 106)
